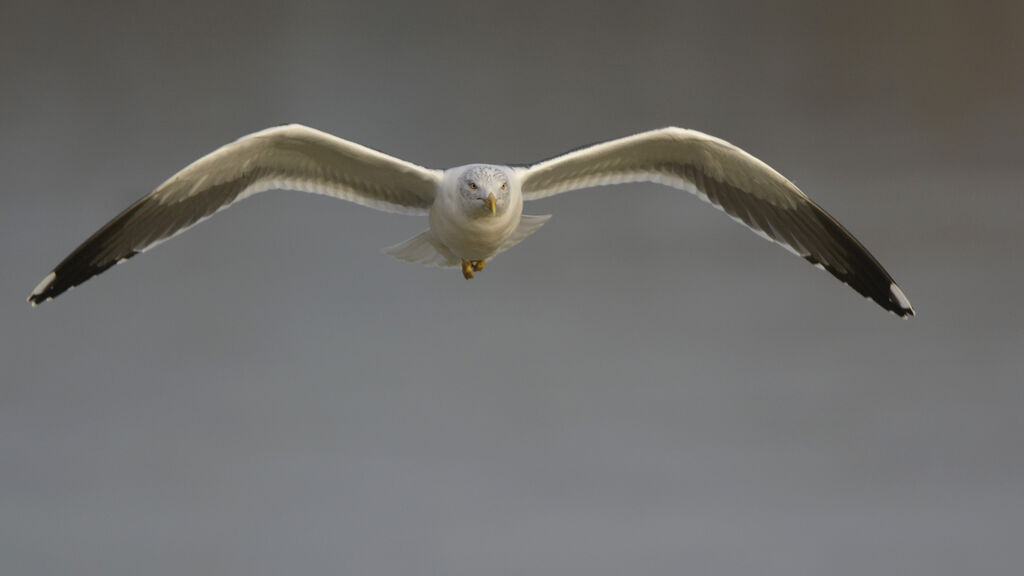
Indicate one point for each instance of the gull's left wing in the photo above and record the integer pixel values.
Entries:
(748, 190)
(291, 157)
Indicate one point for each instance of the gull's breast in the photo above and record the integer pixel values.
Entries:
(472, 238)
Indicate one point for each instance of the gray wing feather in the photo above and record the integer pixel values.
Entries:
(287, 157)
(744, 187)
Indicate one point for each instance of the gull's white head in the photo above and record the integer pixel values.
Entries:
(484, 190)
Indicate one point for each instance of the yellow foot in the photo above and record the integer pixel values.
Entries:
(467, 269)
(478, 265)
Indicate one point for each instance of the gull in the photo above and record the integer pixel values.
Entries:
(476, 211)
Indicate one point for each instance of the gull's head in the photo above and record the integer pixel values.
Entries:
(484, 190)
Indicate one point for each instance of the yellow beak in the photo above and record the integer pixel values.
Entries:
(492, 203)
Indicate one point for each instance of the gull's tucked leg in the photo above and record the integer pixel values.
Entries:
(467, 269)
(478, 265)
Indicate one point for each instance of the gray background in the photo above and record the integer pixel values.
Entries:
(642, 387)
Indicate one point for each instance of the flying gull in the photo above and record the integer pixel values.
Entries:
(476, 211)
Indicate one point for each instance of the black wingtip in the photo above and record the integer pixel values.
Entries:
(899, 303)
(74, 270)
(46, 290)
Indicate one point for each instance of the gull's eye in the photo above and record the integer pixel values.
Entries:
(502, 185)
(472, 185)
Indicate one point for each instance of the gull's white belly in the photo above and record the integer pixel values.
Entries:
(473, 238)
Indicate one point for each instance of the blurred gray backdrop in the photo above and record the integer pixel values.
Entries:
(643, 387)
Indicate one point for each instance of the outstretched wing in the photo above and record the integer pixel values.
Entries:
(745, 188)
(287, 157)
